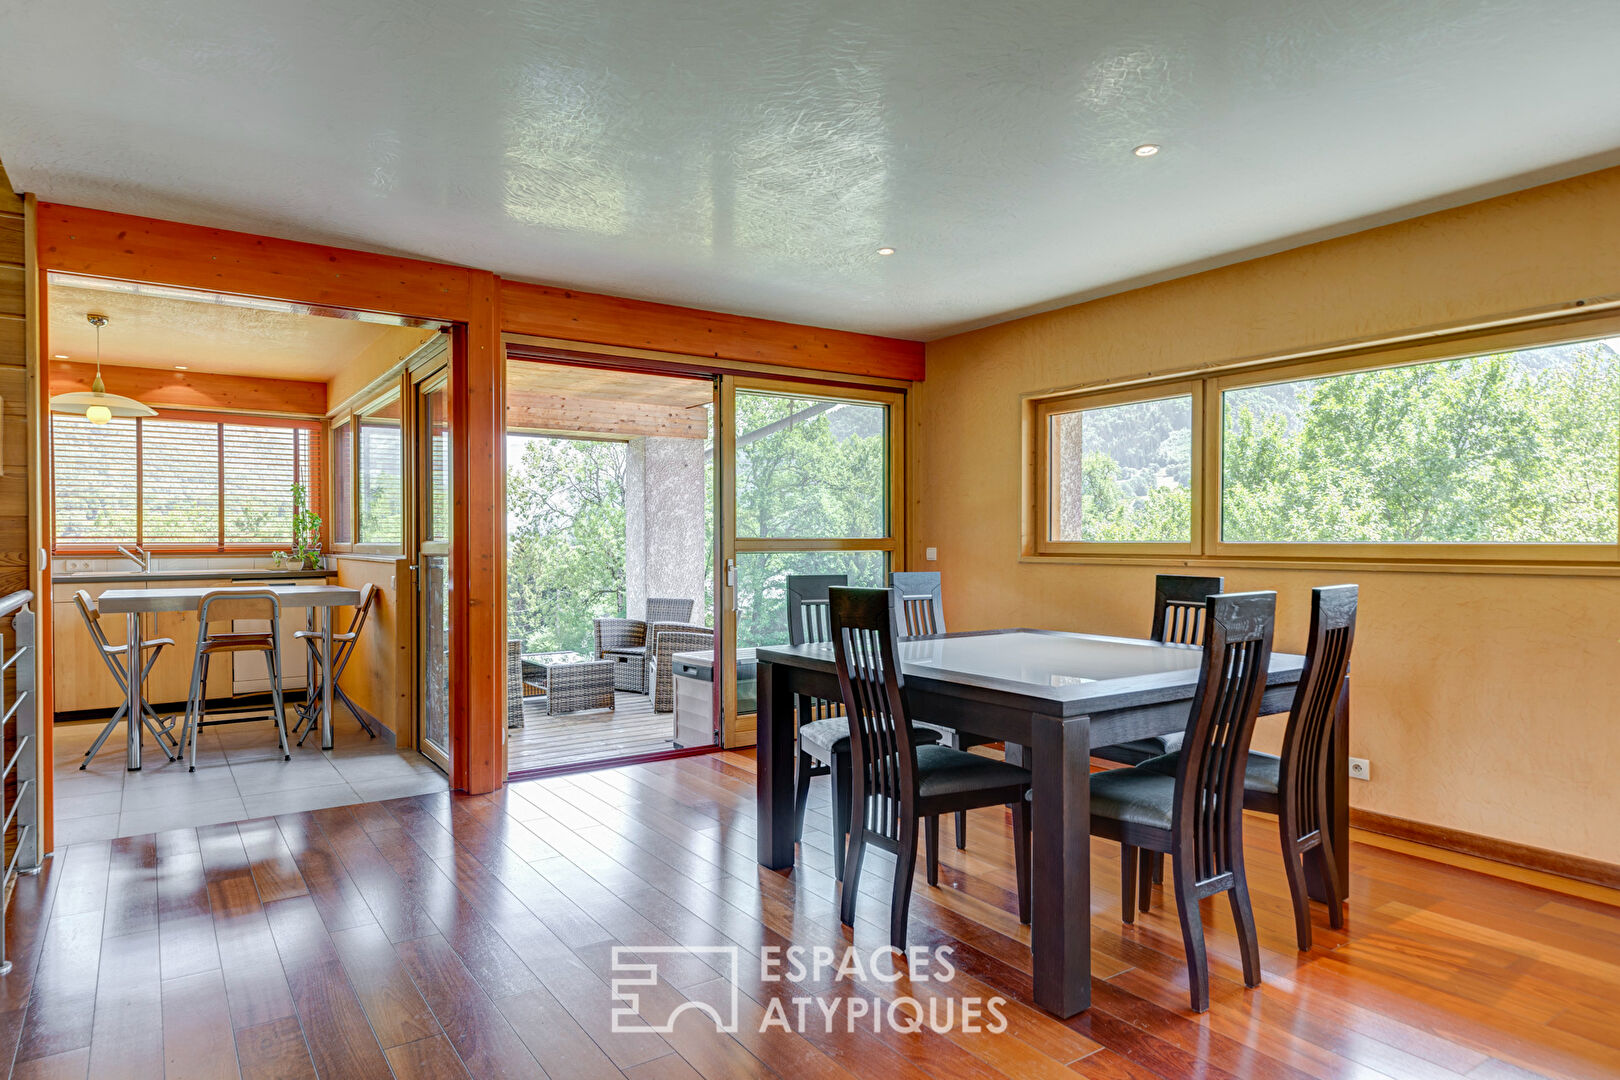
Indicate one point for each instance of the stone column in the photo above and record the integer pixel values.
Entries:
(663, 522)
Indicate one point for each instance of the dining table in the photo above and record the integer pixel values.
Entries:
(319, 600)
(1050, 697)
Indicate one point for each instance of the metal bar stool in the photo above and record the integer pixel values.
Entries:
(309, 713)
(113, 656)
(228, 605)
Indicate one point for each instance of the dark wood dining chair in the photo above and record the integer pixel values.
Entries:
(1178, 619)
(897, 782)
(823, 730)
(1194, 814)
(919, 610)
(1295, 785)
(919, 602)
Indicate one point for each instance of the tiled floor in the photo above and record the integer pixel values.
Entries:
(240, 775)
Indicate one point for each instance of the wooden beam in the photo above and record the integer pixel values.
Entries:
(596, 416)
(194, 389)
(550, 311)
(101, 244)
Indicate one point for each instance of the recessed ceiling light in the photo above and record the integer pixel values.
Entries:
(885, 251)
(1147, 149)
(61, 356)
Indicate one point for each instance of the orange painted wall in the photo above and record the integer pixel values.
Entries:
(1486, 702)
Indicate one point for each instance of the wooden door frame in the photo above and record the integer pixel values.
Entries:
(478, 306)
(119, 246)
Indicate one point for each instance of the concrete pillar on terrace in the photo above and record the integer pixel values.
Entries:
(663, 522)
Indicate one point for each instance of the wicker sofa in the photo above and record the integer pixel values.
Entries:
(627, 641)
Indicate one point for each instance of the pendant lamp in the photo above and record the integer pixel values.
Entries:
(96, 405)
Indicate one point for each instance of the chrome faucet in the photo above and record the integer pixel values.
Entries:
(139, 557)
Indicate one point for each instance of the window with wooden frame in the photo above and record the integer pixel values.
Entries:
(1118, 471)
(196, 482)
(368, 477)
(1491, 448)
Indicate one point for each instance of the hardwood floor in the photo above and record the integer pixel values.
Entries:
(632, 728)
(440, 936)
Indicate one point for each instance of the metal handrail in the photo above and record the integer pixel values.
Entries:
(23, 759)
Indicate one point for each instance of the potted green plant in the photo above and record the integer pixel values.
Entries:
(306, 552)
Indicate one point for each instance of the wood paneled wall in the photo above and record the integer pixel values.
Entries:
(13, 392)
(379, 677)
(195, 389)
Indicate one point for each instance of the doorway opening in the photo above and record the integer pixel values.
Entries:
(610, 565)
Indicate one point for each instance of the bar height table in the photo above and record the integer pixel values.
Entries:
(1051, 697)
(133, 603)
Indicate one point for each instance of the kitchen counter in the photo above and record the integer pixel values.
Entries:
(95, 577)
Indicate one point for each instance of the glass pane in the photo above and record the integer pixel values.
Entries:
(436, 652)
(1123, 473)
(810, 467)
(437, 404)
(762, 586)
(382, 507)
(259, 474)
(93, 480)
(565, 535)
(343, 484)
(1513, 447)
(179, 482)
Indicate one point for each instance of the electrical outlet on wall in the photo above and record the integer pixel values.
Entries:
(1360, 769)
(931, 554)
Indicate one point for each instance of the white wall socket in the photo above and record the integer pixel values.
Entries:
(931, 554)
(1360, 769)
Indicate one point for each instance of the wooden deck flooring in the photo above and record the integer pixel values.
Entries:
(631, 728)
(444, 936)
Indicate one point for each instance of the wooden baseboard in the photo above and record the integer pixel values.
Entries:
(1577, 867)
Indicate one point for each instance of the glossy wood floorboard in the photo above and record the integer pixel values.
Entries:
(442, 936)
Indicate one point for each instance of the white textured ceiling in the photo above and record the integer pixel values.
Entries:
(751, 155)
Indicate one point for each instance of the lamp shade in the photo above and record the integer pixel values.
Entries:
(79, 403)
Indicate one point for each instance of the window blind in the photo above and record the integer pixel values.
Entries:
(181, 480)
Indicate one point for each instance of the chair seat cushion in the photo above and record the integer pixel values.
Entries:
(944, 771)
(1135, 796)
(821, 739)
(1139, 750)
(1262, 772)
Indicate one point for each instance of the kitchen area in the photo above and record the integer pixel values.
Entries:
(222, 465)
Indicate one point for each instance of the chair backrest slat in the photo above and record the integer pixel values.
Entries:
(1178, 607)
(1305, 764)
(919, 597)
(668, 609)
(807, 607)
(883, 756)
(1215, 750)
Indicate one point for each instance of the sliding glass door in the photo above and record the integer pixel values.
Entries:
(813, 476)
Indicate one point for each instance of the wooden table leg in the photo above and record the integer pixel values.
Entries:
(133, 724)
(1338, 801)
(774, 738)
(1060, 931)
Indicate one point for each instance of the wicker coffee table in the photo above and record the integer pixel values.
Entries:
(569, 685)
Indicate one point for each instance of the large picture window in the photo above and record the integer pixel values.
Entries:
(1506, 451)
(180, 481)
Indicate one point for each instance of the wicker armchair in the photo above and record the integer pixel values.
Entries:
(514, 684)
(625, 641)
(669, 639)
